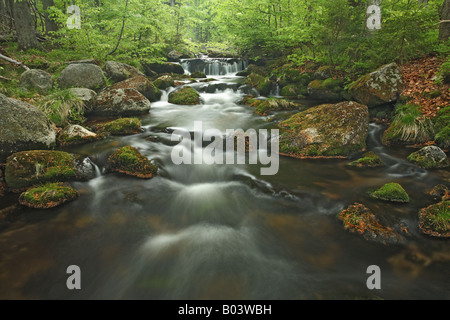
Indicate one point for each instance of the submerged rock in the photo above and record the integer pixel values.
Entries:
(23, 127)
(382, 86)
(329, 130)
(82, 75)
(38, 80)
(357, 218)
(435, 220)
(48, 196)
(430, 157)
(392, 192)
(129, 161)
(184, 96)
(368, 160)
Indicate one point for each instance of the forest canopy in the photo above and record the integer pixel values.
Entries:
(331, 32)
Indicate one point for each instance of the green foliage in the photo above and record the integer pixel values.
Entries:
(62, 106)
(409, 125)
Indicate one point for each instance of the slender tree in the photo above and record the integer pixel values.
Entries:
(444, 25)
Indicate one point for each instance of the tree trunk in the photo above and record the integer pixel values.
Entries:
(444, 26)
(23, 22)
(50, 25)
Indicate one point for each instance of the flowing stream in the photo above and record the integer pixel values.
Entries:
(222, 231)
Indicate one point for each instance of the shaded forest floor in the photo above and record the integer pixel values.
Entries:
(420, 87)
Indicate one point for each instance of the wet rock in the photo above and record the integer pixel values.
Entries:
(164, 82)
(368, 160)
(435, 220)
(120, 127)
(161, 68)
(76, 134)
(430, 157)
(48, 196)
(325, 90)
(121, 102)
(184, 96)
(329, 130)
(358, 219)
(142, 85)
(198, 74)
(262, 84)
(23, 127)
(382, 86)
(271, 105)
(35, 79)
(440, 192)
(27, 168)
(117, 71)
(392, 192)
(82, 75)
(129, 161)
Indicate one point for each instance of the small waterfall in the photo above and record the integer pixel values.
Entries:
(214, 66)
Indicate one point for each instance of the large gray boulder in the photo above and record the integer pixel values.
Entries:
(117, 71)
(121, 102)
(86, 95)
(23, 127)
(82, 75)
(382, 86)
(35, 79)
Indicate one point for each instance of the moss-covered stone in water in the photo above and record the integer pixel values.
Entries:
(28, 168)
(260, 83)
(121, 127)
(267, 106)
(368, 160)
(184, 96)
(128, 160)
(198, 74)
(430, 157)
(357, 218)
(393, 192)
(435, 220)
(47, 196)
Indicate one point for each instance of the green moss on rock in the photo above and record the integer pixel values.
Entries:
(435, 220)
(392, 192)
(120, 127)
(198, 74)
(368, 160)
(129, 161)
(28, 168)
(47, 196)
(184, 96)
(270, 105)
(430, 157)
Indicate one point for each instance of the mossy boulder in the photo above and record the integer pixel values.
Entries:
(129, 161)
(117, 71)
(329, 130)
(23, 127)
(184, 96)
(27, 168)
(430, 157)
(271, 105)
(368, 160)
(164, 82)
(262, 84)
(294, 91)
(435, 220)
(142, 85)
(76, 134)
(442, 127)
(358, 219)
(198, 75)
(325, 90)
(47, 196)
(323, 72)
(382, 86)
(121, 102)
(120, 127)
(392, 192)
